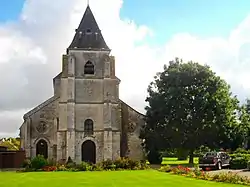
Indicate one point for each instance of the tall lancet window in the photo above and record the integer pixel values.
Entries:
(89, 68)
(89, 127)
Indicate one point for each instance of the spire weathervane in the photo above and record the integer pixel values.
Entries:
(88, 2)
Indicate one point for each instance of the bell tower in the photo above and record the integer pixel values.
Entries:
(89, 107)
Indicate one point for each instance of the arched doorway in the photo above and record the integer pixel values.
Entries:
(42, 148)
(89, 151)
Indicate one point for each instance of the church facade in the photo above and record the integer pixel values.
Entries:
(84, 119)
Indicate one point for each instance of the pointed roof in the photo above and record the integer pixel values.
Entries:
(88, 35)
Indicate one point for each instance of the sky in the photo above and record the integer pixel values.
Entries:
(143, 35)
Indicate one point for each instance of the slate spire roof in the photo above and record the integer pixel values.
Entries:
(88, 36)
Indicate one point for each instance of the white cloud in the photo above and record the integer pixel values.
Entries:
(31, 50)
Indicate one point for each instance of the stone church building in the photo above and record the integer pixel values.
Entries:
(84, 119)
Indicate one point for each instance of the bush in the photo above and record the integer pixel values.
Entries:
(61, 168)
(26, 164)
(166, 168)
(239, 161)
(241, 151)
(108, 165)
(97, 167)
(144, 165)
(84, 166)
(38, 162)
(124, 164)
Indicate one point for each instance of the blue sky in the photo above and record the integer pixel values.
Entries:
(203, 18)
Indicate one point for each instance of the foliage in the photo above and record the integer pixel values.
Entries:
(26, 164)
(201, 151)
(248, 165)
(182, 154)
(241, 151)
(97, 167)
(166, 168)
(243, 131)
(169, 153)
(12, 144)
(49, 168)
(197, 153)
(229, 177)
(154, 157)
(108, 165)
(38, 162)
(239, 161)
(84, 166)
(61, 168)
(175, 162)
(124, 164)
(189, 106)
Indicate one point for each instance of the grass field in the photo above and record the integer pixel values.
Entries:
(146, 178)
(175, 162)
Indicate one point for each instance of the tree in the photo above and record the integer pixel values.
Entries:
(189, 106)
(12, 144)
(243, 130)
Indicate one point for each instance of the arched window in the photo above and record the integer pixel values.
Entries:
(88, 127)
(89, 68)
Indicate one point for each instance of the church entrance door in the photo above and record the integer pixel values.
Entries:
(42, 148)
(89, 151)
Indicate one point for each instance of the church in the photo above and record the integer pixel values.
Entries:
(84, 119)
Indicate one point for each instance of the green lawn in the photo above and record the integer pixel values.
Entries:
(175, 162)
(144, 178)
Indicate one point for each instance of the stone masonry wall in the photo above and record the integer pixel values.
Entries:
(131, 126)
(40, 124)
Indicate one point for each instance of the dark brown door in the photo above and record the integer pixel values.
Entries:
(89, 151)
(42, 148)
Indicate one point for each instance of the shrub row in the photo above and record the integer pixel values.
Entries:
(229, 177)
(242, 151)
(239, 161)
(39, 163)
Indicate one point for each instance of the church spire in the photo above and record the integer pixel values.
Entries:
(88, 36)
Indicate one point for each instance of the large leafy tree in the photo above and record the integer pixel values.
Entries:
(189, 106)
(244, 125)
